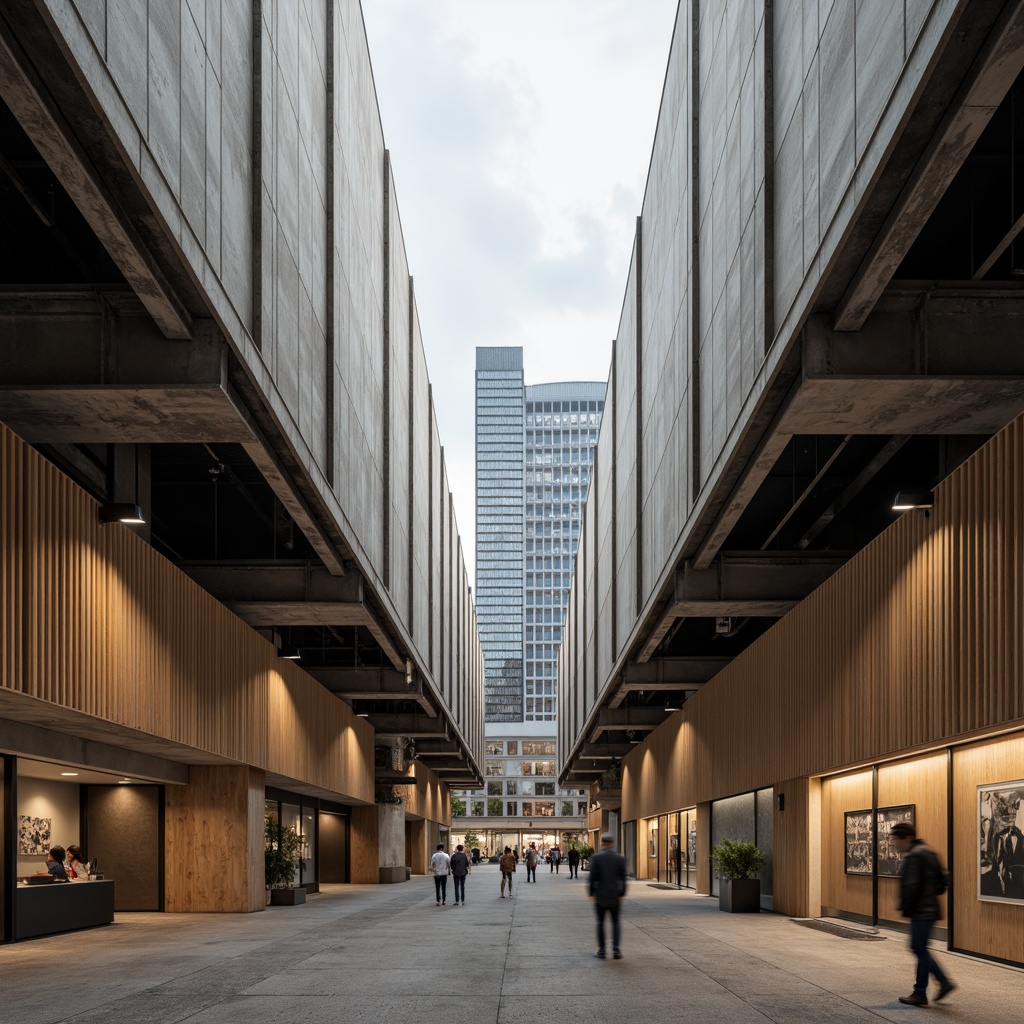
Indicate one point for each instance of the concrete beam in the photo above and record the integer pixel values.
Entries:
(31, 101)
(353, 684)
(94, 368)
(277, 581)
(604, 751)
(989, 79)
(415, 727)
(943, 362)
(627, 720)
(667, 675)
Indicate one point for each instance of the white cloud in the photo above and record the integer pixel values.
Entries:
(520, 134)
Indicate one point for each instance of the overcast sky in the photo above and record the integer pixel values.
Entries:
(520, 134)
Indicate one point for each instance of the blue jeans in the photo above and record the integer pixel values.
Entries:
(441, 886)
(919, 933)
(460, 887)
(531, 871)
(601, 911)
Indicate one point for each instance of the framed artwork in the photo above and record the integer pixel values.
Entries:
(34, 835)
(1001, 842)
(653, 851)
(859, 840)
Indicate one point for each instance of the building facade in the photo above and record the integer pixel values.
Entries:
(798, 576)
(534, 459)
(208, 326)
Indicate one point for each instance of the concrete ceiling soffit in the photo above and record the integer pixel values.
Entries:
(997, 65)
(351, 684)
(34, 106)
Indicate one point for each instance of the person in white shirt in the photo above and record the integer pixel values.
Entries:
(440, 868)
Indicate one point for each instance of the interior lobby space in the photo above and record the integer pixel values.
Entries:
(371, 952)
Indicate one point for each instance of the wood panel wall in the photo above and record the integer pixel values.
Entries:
(995, 929)
(796, 853)
(905, 647)
(214, 841)
(364, 850)
(94, 621)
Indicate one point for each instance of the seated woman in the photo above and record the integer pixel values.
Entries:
(75, 864)
(55, 863)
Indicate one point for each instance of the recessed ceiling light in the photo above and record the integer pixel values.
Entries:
(69, 773)
(123, 781)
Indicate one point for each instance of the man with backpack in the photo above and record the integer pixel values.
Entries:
(460, 868)
(922, 882)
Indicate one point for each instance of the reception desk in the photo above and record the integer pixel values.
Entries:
(61, 907)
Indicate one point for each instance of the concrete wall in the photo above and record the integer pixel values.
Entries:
(750, 196)
(252, 134)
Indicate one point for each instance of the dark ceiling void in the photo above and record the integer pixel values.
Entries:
(211, 503)
(47, 241)
(835, 493)
(334, 646)
(973, 232)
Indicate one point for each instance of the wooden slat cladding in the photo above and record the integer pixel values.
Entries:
(915, 642)
(93, 620)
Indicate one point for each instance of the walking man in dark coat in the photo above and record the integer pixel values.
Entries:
(574, 862)
(922, 881)
(607, 887)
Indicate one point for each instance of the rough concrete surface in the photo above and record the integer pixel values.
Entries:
(363, 953)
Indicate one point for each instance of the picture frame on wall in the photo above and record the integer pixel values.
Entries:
(1001, 842)
(34, 835)
(859, 844)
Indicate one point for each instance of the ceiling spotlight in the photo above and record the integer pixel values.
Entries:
(121, 512)
(674, 705)
(362, 714)
(289, 653)
(909, 499)
(69, 773)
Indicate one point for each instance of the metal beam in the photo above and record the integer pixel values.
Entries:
(989, 80)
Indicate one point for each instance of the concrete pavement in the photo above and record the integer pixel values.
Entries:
(371, 953)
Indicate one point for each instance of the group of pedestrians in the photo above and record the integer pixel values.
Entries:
(457, 865)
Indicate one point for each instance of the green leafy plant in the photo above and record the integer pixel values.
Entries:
(736, 859)
(282, 845)
(566, 808)
(494, 806)
(470, 840)
(458, 807)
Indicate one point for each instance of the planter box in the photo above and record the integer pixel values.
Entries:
(287, 897)
(739, 895)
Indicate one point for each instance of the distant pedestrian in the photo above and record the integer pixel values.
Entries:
(440, 868)
(556, 859)
(607, 887)
(922, 882)
(574, 862)
(532, 859)
(507, 863)
(460, 868)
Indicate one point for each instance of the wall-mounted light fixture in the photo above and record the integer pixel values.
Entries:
(409, 678)
(121, 512)
(908, 499)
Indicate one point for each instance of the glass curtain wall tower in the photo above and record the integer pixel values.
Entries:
(534, 448)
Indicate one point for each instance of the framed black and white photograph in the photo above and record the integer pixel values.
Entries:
(889, 858)
(859, 840)
(1001, 842)
(34, 835)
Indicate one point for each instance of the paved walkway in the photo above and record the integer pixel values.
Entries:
(387, 953)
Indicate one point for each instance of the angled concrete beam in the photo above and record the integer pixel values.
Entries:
(32, 103)
(989, 80)
(604, 751)
(353, 684)
(270, 581)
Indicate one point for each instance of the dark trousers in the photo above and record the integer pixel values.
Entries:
(531, 872)
(574, 870)
(919, 933)
(460, 887)
(441, 886)
(554, 866)
(614, 912)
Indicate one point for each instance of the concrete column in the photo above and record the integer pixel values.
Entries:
(213, 845)
(391, 848)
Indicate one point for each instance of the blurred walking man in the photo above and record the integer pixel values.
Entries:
(607, 887)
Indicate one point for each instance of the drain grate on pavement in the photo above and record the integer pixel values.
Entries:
(860, 933)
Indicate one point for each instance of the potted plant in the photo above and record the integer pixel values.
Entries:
(282, 846)
(735, 862)
(585, 850)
